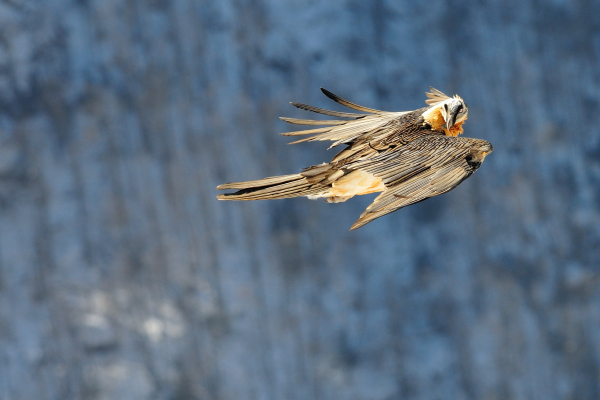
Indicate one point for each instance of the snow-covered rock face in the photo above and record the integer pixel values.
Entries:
(121, 275)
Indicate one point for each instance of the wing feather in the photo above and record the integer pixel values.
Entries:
(307, 131)
(344, 131)
(424, 168)
(347, 131)
(349, 104)
(435, 96)
(297, 121)
(327, 112)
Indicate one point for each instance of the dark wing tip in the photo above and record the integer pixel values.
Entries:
(328, 93)
(347, 103)
(333, 96)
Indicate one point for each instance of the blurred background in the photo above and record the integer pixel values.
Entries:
(122, 276)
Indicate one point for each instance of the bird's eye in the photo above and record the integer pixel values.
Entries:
(460, 110)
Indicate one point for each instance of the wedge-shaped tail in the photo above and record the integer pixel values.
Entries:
(277, 187)
(311, 182)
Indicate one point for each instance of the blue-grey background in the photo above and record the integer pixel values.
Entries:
(122, 277)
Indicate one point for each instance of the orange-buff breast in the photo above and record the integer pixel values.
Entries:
(356, 183)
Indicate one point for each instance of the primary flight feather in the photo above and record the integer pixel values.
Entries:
(407, 156)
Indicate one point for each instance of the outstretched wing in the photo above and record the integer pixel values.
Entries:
(367, 122)
(424, 168)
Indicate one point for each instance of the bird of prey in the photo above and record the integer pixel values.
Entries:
(407, 156)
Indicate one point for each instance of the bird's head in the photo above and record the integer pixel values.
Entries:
(446, 114)
(454, 111)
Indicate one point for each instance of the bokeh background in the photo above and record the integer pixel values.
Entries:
(122, 276)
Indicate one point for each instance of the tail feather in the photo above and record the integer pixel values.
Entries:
(277, 187)
(274, 180)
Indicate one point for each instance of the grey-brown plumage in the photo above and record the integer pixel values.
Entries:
(407, 156)
(427, 167)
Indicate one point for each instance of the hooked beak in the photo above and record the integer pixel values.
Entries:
(450, 122)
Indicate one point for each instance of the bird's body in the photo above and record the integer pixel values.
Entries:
(408, 156)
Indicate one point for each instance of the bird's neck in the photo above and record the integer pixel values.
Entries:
(456, 129)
